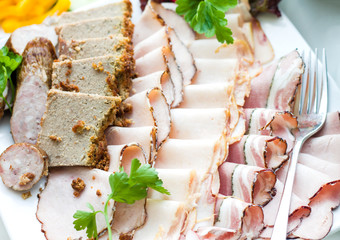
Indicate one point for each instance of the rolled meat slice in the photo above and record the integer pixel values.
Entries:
(249, 183)
(22, 165)
(144, 136)
(285, 82)
(34, 81)
(271, 122)
(245, 218)
(150, 109)
(257, 150)
(72, 188)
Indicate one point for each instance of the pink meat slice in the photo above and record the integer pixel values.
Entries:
(160, 79)
(285, 82)
(250, 183)
(258, 150)
(59, 192)
(22, 165)
(263, 49)
(150, 109)
(260, 87)
(143, 136)
(164, 37)
(245, 218)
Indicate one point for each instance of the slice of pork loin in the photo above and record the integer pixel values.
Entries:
(181, 183)
(162, 59)
(165, 220)
(164, 37)
(322, 204)
(249, 183)
(34, 81)
(160, 79)
(173, 20)
(122, 8)
(200, 155)
(211, 48)
(195, 123)
(144, 136)
(96, 28)
(257, 150)
(245, 218)
(213, 95)
(22, 165)
(59, 192)
(21, 36)
(151, 109)
(127, 217)
(94, 47)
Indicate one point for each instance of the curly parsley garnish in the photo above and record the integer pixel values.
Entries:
(208, 17)
(9, 61)
(125, 189)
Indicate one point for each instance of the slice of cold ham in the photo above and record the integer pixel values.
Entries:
(195, 123)
(245, 218)
(144, 136)
(200, 155)
(213, 95)
(22, 165)
(249, 183)
(150, 109)
(59, 192)
(181, 183)
(162, 59)
(211, 48)
(160, 79)
(164, 37)
(257, 150)
(263, 50)
(165, 220)
(173, 20)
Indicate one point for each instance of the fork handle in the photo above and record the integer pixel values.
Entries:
(281, 222)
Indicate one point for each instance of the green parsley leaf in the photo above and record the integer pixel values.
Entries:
(9, 61)
(208, 17)
(86, 220)
(125, 189)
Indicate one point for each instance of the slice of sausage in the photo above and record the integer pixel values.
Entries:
(34, 81)
(22, 165)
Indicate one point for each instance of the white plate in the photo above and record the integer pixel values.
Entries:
(18, 215)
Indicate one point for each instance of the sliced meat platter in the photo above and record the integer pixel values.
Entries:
(215, 121)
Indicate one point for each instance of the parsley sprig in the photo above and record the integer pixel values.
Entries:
(125, 189)
(9, 61)
(208, 17)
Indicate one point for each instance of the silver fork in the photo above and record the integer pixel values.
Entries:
(311, 113)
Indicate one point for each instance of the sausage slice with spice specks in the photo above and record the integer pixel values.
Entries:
(22, 165)
(34, 81)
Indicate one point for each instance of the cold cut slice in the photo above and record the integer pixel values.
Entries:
(22, 165)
